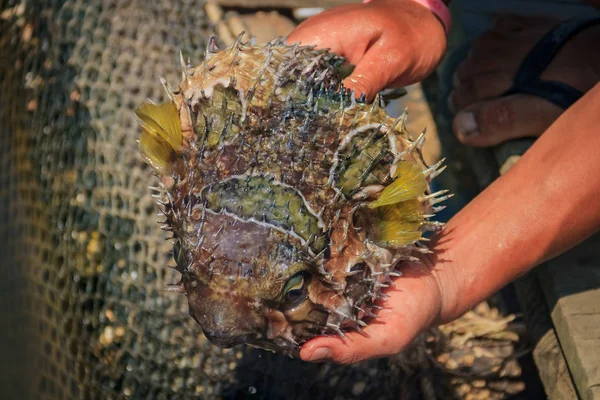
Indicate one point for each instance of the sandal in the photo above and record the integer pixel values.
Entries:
(527, 79)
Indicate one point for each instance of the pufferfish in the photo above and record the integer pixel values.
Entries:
(291, 201)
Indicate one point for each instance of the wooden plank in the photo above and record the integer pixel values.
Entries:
(571, 284)
(547, 353)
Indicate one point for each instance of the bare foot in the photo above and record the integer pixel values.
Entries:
(483, 116)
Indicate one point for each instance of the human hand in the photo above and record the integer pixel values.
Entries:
(414, 304)
(513, 225)
(392, 43)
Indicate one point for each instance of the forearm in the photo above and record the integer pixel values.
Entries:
(547, 203)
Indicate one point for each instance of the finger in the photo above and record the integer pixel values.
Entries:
(381, 66)
(480, 87)
(386, 337)
(355, 347)
(494, 121)
(313, 33)
(372, 73)
(323, 30)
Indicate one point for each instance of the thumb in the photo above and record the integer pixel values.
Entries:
(361, 84)
(371, 74)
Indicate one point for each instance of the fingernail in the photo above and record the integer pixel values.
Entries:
(466, 125)
(320, 354)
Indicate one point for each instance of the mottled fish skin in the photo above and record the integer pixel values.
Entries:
(290, 202)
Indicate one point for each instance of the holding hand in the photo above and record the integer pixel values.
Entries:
(512, 226)
(391, 43)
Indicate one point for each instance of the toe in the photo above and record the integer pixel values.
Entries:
(509, 23)
(518, 23)
(480, 87)
(491, 122)
(489, 64)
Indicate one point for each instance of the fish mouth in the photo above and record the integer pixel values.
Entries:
(227, 341)
(289, 344)
(235, 320)
(277, 345)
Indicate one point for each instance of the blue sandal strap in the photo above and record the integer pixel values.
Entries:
(527, 79)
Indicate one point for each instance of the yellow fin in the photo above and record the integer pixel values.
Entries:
(156, 151)
(162, 121)
(399, 224)
(409, 183)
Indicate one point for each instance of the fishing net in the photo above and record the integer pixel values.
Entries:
(82, 302)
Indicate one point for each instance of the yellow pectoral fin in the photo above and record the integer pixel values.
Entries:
(398, 224)
(156, 151)
(408, 211)
(162, 120)
(399, 238)
(410, 183)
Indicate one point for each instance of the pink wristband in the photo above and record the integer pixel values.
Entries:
(438, 8)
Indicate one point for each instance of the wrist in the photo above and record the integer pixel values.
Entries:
(444, 275)
(425, 39)
(439, 8)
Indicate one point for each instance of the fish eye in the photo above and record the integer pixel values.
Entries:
(295, 290)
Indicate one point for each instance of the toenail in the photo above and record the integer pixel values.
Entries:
(466, 125)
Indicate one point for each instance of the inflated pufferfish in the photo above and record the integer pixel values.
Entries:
(290, 202)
